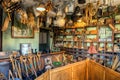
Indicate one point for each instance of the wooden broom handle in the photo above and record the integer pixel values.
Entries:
(26, 69)
(10, 74)
(31, 62)
(38, 60)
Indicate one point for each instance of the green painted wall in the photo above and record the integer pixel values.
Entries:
(10, 44)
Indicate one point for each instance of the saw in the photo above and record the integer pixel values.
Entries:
(5, 24)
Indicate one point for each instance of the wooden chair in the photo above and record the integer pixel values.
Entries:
(23, 61)
(38, 60)
(2, 77)
(16, 66)
(11, 75)
(31, 63)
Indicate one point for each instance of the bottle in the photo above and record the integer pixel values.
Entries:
(32, 51)
(35, 51)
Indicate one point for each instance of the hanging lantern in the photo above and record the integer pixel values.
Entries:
(99, 12)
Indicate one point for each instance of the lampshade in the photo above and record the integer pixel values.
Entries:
(41, 7)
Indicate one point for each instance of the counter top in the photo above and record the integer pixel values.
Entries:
(6, 57)
(53, 53)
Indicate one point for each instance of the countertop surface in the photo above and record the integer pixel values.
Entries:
(6, 57)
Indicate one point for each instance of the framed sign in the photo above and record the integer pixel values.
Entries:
(48, 60)
(22, 33)
(25, 48)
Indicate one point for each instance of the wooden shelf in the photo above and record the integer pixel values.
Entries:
(102, 25)
(74, 34)
(59, 40)
(59, 27)
(67, 34)
(117, 32)
(46, 28)
(90, 41)
(117, 22)
(67, 41)
(105, 41)
(117, 42)
(73, 27)
(77, 34)
(91, 34)
(91, 26)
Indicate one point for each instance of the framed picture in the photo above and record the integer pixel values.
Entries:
(48, 60)
(25, 48)
(70, 8)
(20, 30)
(22, 33)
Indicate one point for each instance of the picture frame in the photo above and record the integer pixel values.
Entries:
(70, 8)
(22, 33)
(20, 30)
(25, 48)
(48, 60)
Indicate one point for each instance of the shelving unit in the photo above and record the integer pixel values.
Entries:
(91, 36)
(70, 37)
(117, 38)
(105, 38)
(79, 38)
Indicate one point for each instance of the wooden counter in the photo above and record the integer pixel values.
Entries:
(54, 53)
(6, 57)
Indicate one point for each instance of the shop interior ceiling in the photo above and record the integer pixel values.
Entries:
(12, 5)
(23, 8)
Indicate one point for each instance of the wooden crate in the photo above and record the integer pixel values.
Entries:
(75, 71)
(83, 70)
(95, 71)
(99, 72)
(111, 75)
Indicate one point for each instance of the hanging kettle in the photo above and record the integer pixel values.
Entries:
(109, 9)
(99, 12)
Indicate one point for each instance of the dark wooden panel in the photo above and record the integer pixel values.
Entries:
(81, 1)
(1, 13)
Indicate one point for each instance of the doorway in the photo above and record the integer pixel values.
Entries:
(44, 41)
